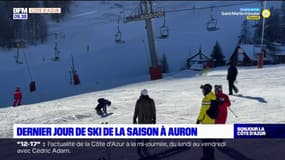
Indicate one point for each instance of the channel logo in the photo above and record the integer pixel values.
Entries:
(20, 13)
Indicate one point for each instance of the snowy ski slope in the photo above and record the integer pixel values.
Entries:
(177, 97)
(108, 64)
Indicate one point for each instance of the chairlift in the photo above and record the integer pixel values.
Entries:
(32, 84)
(163, 30)
(19, 44)
(118, 35)
(56, 50)
(74, 77)
(212, 23)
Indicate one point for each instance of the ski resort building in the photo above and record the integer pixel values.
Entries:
(247, 55)
(199, 61)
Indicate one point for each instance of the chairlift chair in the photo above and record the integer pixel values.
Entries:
(212, 23)
(33, 86)
(163, 30)
(118, 37)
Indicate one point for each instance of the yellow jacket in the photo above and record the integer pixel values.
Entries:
(203, 116)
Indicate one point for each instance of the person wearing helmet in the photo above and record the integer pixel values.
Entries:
(224, 103)
(203, 118)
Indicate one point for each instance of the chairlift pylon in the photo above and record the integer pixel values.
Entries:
(212, 23)
(164, 30)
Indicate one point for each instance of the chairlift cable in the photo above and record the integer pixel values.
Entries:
(118, 24)
(73, 70)
(28, 67)
(208, 7)
(145, 48)
(211, 13)
(164, 20)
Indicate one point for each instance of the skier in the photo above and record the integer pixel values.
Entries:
(17, 97)
(144, 109)
(102, 105)
(145, 112)
(224, 103)
(203, 118)
(231, 77)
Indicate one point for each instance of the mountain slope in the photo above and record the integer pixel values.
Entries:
(178, 96)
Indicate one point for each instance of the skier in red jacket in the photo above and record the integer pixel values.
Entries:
(223, 105)
(17, 97)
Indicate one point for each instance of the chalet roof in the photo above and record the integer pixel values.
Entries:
(199, 57)
(252, 51)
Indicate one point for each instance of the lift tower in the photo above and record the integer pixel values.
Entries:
(146, 12)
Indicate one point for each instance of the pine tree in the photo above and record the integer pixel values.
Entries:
(64, 5)
(272, 29)
(6, 29)
(258, 32)
(32, 30)
(245, 35)
(164, 64)
(217, 55)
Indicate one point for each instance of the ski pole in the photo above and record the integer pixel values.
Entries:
(233, 112)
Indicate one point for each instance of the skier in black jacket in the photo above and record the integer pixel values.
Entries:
(102, 104)
(231, 77)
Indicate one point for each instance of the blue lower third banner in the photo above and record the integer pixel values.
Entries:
(153, 131)
(123, 131)
(259, 131)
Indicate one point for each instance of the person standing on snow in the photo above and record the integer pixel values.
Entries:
(224, 103)
(17, 97)
(231, 77)
(144, 110)
(203, 118)
(145, 113)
